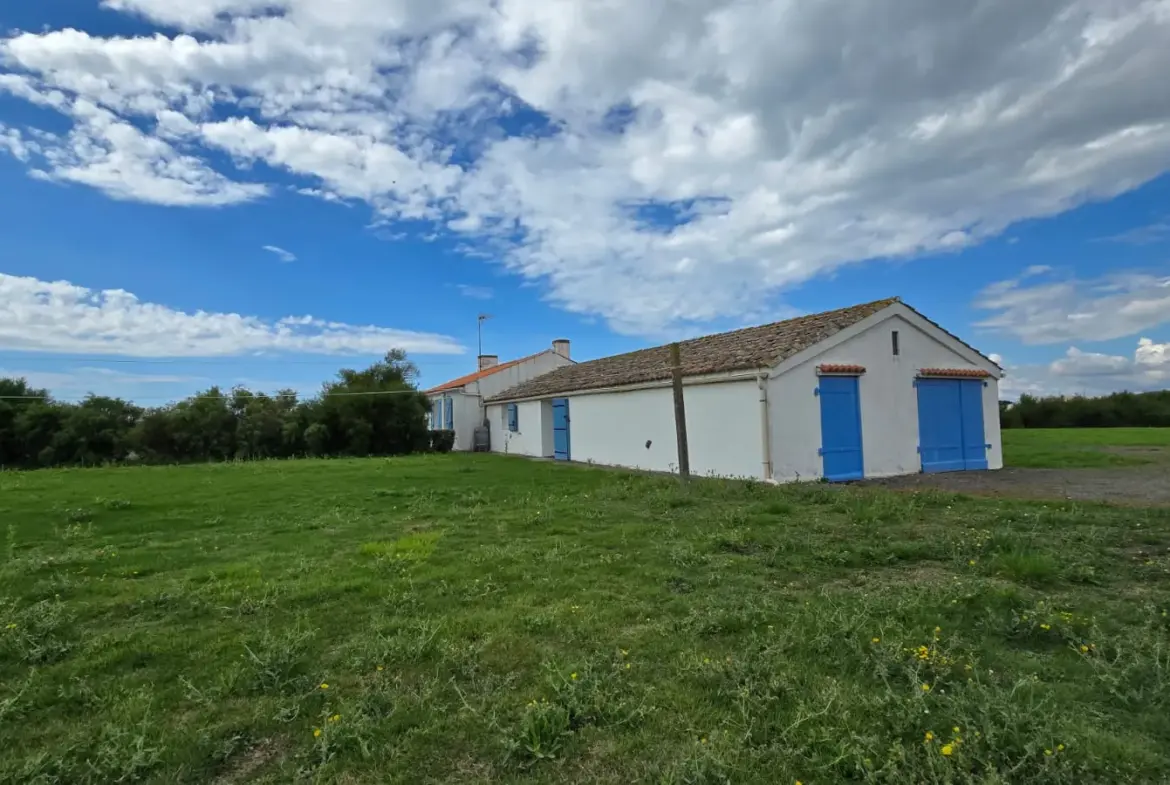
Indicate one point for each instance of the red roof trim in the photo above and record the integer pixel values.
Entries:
(841, 370)
(473, 377)
(956, 373)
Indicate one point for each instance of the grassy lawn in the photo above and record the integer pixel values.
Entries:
(484, 619)
(1085, 447)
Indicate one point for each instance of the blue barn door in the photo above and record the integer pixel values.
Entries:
(560, 407)
(841, 428)
(950, 425)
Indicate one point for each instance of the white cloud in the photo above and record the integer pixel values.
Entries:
(775, 158)
(1092, 373)
(62, 317)
(475, 292)
(1078, 363)
(113, 155)
(283, 255)
(1067, 309)
(76, 384)
(1149, 234)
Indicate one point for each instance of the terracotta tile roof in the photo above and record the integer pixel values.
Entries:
(964, 373)
(841, 369)
(472, 377)
(749, 348)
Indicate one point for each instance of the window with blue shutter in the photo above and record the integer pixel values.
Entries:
(449, 405)
(513, 418)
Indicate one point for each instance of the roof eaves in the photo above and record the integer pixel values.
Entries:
(952, 335)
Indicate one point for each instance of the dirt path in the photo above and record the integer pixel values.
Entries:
(1138, 485)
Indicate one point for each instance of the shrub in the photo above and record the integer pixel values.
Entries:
(442, 441)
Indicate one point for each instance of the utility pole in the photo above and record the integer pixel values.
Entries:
(680, 414)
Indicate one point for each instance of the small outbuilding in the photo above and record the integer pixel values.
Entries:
(458, 406)
(873, 390)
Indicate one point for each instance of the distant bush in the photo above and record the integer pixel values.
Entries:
(376, 411)
(1119, 410)
(442, 441)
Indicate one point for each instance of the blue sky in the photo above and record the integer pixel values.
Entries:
(392, 169)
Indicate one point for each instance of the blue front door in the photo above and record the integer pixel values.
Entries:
(950, 425)
(841, 428)
(560, 407)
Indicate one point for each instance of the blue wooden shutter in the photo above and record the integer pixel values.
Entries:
(513, 418)
(449, 405)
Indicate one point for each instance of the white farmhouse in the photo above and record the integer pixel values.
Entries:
(457, 405)
(874, 390)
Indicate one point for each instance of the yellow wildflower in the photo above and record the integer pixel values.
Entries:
(625, 653)
(335, 718)
(876, 640)
(380, 668)
(926, 688)
(929, 736)
(706, 660)
(937, 631)
(703, 740)
(1060, 748)
(947, 749)
(324, 686)
(971, 563)
(1046, 626)
(627, 666)
(573, 676)
(955, 729)
(1084, 649)
(12, 626)
(316, 733)
(1047, 752)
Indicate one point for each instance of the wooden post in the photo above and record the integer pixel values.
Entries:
(680, 414)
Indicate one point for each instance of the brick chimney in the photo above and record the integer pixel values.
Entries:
(488, 361)
(561, 346)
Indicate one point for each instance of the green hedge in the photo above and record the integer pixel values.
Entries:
(442, 441)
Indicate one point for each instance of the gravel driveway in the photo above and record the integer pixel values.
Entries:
(1138, 485)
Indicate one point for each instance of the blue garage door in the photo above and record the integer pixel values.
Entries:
(950, 425)
(560, 407)
(841, 428)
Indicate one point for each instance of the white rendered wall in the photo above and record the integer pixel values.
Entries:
(889, 403)
(723, 429)
(534, 418)
(465, 416)
(517, 374)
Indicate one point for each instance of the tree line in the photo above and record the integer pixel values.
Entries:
(1123, 409)
(376, 411)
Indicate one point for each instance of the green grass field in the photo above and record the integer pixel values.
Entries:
(1085, 447)
(482, 619)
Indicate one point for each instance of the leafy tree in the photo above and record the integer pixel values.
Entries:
(1123, 409)
(375, 411)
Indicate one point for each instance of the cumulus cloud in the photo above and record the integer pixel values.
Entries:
(1080, 372)
(654, 163)
(1057, 310)
(283, 255)
(62, 317)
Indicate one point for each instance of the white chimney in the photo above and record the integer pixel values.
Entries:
(488, 361)
(561, 347)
